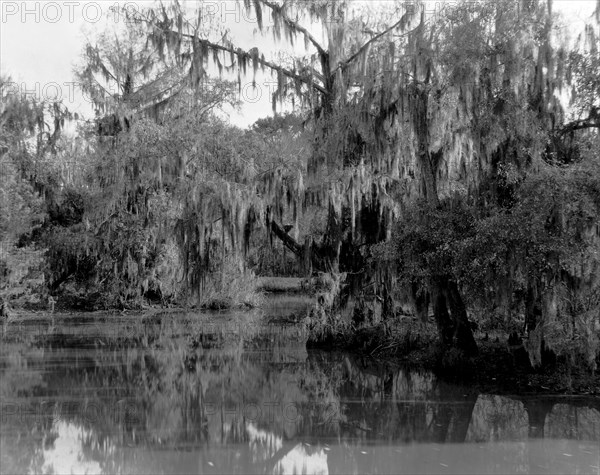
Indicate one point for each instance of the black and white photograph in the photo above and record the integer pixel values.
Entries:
(299, 237)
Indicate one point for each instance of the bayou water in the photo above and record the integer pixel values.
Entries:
(237, 392)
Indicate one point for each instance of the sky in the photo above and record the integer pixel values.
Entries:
(41, 41)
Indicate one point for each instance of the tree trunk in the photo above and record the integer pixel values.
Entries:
(451, 317)
(313, 253)
(388, 303)
(428, 162)
(537, 411)
(429, 171)
(454, 328)
(442, 317)
(533, 318)
(533, 310)
(332, 242)
(463, 335)
(420, 302)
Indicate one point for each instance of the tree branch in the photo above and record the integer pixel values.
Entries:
(244, 54)
(317, 259)
(344, 64)
(295, 26)
(264, 62)
(288, 240)
(591, 122)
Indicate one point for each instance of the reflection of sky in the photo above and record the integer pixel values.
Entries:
(66, 454)
(299, 461)
(496, 442)
(265, 444)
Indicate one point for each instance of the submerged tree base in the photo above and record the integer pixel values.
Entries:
(499, 367)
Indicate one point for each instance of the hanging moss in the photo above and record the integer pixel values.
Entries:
(428, 109)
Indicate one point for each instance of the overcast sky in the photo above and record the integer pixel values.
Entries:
(41, 41)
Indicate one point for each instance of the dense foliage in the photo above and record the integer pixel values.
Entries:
(530, 268)
(448, 160)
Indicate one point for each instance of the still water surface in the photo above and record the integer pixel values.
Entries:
(239, 393)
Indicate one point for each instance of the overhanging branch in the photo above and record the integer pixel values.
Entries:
(592, 122)
(244, 54)
(241, 54)
(318, 261)
(287, 240)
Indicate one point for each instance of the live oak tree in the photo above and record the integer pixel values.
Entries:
(320, 84)
(32, 162)
(514, 124)
(147, 107)
(408, 107)
(124, 77)
(22, 122)
(447, 109)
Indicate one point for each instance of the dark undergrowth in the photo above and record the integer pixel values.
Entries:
(499, 367)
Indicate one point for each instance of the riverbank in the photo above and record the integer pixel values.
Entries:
(403, 341)
(243, 293)
(285, 285)
(497, 368)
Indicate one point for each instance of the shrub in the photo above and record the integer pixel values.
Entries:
(230, 286)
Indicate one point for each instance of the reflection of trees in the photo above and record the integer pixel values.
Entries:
(404, 406)
(497, 418)
(18, 447)
(537, 410)
(567, 421)
(229, 398)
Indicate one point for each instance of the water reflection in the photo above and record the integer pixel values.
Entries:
(64, 450)
(172, 396)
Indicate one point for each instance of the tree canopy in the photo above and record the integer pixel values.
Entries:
(448, 157)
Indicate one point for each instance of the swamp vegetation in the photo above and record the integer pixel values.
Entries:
(436, 180)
